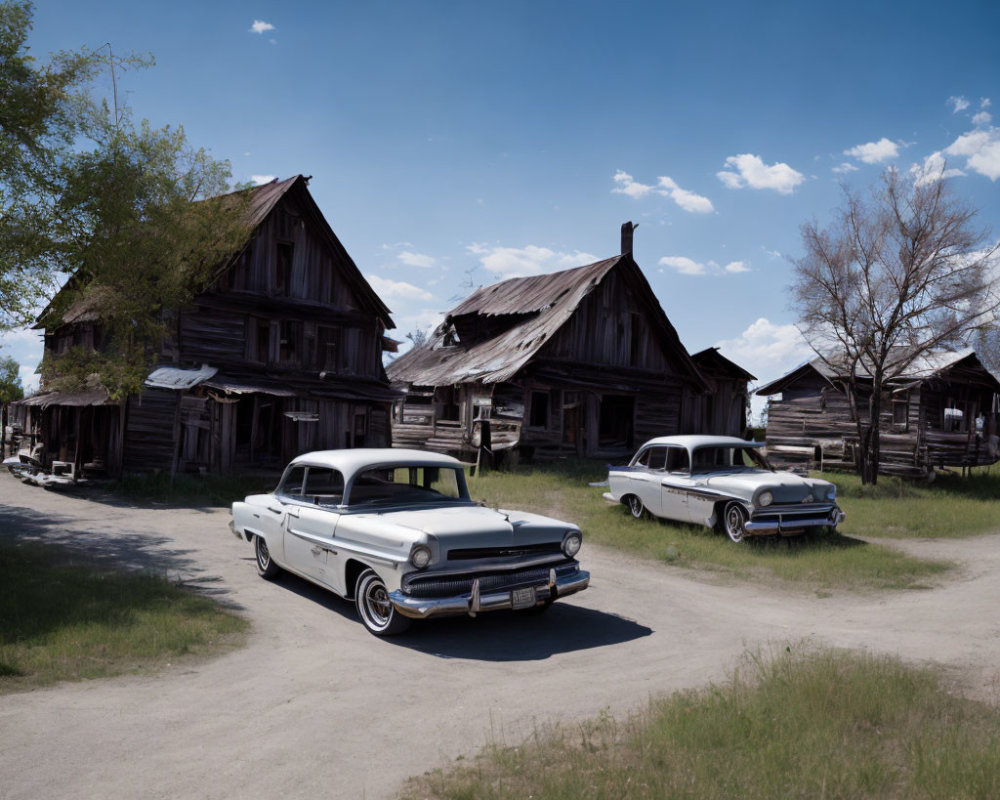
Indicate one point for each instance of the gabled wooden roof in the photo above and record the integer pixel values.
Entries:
(963, 365)
(533, 309)
(711, 360)
(263, 200)
(266, 197)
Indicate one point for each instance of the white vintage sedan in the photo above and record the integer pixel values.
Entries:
(396, 531)
(722, 482)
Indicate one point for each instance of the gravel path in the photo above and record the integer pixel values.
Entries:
(316, 707)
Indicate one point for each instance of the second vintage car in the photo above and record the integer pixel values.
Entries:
(396, 531)
(722, 482)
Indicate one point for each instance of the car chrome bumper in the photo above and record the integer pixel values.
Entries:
(474, 602)
(793, 523)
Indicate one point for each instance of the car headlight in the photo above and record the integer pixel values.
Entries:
(831, 493)
(571, 543)
(765, 499)
(420, 556)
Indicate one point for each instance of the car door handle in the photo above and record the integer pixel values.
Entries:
(274, 510)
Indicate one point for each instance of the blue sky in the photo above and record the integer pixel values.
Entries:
(454, 144)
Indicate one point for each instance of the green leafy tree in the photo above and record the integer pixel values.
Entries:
(10, 381)
(133, 220)
(39, 120)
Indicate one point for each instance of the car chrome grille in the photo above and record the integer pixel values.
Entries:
(419, 585)
(788, 514)
(514, 551)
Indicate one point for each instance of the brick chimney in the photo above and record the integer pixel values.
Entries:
(627, 230)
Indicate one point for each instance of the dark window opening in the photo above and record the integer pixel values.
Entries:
(677, 460)
(326, 350)
(283, 268)
(446, 398)
(263, 341)
(291, 334)
(615, 422)
(539, 410)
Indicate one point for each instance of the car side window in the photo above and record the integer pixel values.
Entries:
(677, 460)
(658, 458)
(291, 486)
(323, 486)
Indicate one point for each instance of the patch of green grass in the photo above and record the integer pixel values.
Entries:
(818, 724)
(65, 620)
(951, 506)
(188, 490)
(823, 562)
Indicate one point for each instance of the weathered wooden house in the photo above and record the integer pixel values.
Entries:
(723, 408)
(941, 412)
(282, 353)
(581, 362)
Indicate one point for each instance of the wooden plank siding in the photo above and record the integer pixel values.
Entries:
(293, 335)
(810, 423)
(578, 363)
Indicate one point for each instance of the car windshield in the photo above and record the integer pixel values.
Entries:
(408, 485)
(722, 459)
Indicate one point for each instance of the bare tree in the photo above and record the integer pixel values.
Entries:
(900, 272)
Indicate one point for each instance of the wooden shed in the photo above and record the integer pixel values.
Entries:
(282, 353)
(581, 362)
(940, 412)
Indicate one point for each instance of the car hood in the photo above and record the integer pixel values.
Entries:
(462, 526)
(787, 487)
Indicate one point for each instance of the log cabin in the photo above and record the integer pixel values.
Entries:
(582, 362)
(280, 354)
(941, 412)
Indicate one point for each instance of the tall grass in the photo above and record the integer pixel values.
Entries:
(64, 620)
(818, 724)
(951, 506)
(821, 562)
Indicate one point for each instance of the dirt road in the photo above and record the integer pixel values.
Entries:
(317, 707)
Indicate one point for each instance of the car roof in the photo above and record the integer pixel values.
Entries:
(694, 442)
(352, 460)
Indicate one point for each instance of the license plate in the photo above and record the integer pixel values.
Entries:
(523, 598)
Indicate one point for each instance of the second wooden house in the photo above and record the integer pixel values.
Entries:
(582, 362)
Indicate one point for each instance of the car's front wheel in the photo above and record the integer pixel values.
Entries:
(734, 522)
(374, 607)
(634, 506)
(266, 567)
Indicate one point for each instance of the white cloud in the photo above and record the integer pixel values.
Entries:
(626, 185)
(981, 149)
(934, 168)
(985, 102)
(259, 26)
(260, 180)
(766, 349)
(683, 265)
(957, 104)
(399, 289)
(736, 267)
(689, 201)
(518, 262)
(752, 172)
(667, 187)
(982, 118)
(874, 152)
(416, 259)
(844, 168)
